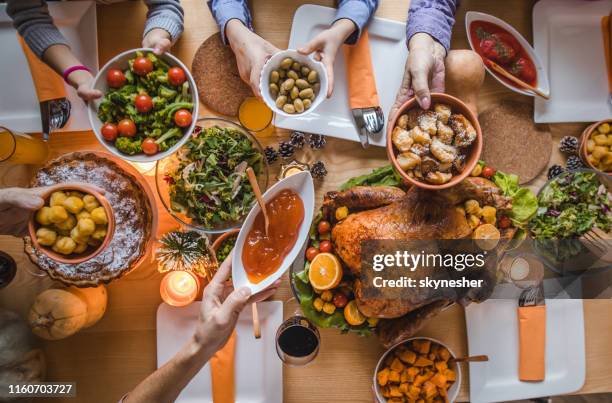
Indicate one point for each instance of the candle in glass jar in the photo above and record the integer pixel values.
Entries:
(179, 288)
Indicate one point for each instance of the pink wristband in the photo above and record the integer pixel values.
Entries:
(72, 69)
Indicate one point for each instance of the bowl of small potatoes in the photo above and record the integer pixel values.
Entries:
(419, 368)
(596, 146)
(74, 225)
(293, 84)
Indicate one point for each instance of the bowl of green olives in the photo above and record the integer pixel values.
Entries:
(293, 84)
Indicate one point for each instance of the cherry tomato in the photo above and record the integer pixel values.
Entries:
(149, 146)
(109, 132)
(340, 300)
(115, 78)
(504, 222)
(182, 118)
(143, 103)
(126, 128)
(323, 227)
(142, 66)
(488, 172)
(176, 76)
(311, 253)
(325, 246)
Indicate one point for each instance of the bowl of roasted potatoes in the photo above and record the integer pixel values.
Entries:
(596, 146)
(417, 369)
(75, 224)
(435, 148)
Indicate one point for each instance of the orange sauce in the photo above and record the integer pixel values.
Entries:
(263, 254)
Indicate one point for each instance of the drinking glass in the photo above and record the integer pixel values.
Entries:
(20, 148)
(297, 341)
(255, 115)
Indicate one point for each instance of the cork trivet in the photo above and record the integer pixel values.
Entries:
(512, 142)
(216, 75)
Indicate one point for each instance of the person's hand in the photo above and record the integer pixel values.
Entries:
(251, 50)
(424, 72)
(221, 305)
(17, 204)
(326, 45)
(158, 39)
(82, 81)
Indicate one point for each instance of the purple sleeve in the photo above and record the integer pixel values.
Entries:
(433, 17)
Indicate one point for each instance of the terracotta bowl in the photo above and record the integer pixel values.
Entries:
(219, 241)
(584, 138)
(89, 254)
(457, 106)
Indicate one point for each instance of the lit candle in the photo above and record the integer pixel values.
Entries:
(179, 288)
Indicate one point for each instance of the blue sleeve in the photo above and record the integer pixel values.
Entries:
(358, 11)
(167, 15)
(433, 17)
(225, 10)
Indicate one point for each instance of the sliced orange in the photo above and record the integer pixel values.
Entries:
(352, 314)
(487, 236)
(325, 272)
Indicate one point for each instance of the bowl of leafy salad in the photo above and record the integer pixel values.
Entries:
(204, 184)
(149, 107)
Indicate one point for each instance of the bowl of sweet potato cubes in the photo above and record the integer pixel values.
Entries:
(418, 370)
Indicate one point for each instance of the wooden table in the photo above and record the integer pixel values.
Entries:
(112, 357)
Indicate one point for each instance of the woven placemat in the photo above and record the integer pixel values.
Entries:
(512, 142)
(216, 75)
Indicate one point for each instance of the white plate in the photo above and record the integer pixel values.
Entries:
(121, 62)
(567, 37)
(492, 329)
(301, 183)
(20, 111)
(389, 52)
(543, 86)
(258, 370)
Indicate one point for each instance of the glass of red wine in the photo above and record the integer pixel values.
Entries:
(297, 341)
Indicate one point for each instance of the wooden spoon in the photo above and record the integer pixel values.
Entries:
(262, 205)
(474, 358)
(499, 69)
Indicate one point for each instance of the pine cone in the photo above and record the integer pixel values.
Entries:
(316, 141)
(271, 154)
(574, 162)
(297, 139)
(286, 149)
(569, 145)
(318, 170)
(555, 170)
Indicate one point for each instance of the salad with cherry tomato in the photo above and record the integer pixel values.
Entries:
(148, 107)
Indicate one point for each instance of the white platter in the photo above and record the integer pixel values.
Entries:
(492, 329)
(301, 183)
(542, 83)
(21, 111)
(258, 370)
(333, 117)
(568, 40)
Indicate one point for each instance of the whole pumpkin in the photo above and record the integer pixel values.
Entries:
(57, 314)
(96, 300)
(20, 358)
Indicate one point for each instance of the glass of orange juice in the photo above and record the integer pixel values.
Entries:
(20, 148)
(255, 115)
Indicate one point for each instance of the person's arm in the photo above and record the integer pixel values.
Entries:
(433, 17)
(164, 24)
(359, 12)
(226, 10)
(221, 306)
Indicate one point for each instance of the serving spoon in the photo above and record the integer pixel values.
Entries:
(474, 358)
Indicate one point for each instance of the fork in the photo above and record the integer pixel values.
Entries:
(54, 115)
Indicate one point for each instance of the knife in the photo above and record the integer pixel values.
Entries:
(532, 333)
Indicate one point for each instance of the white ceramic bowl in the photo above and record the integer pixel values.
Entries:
(542, 76)
(453, 391)
(274, 62)
(121, 62)
(301, 183)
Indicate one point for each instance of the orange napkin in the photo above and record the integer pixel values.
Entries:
(222, 371)
(606, 30)
(532, 342)
(49, 85)
(360, 74)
